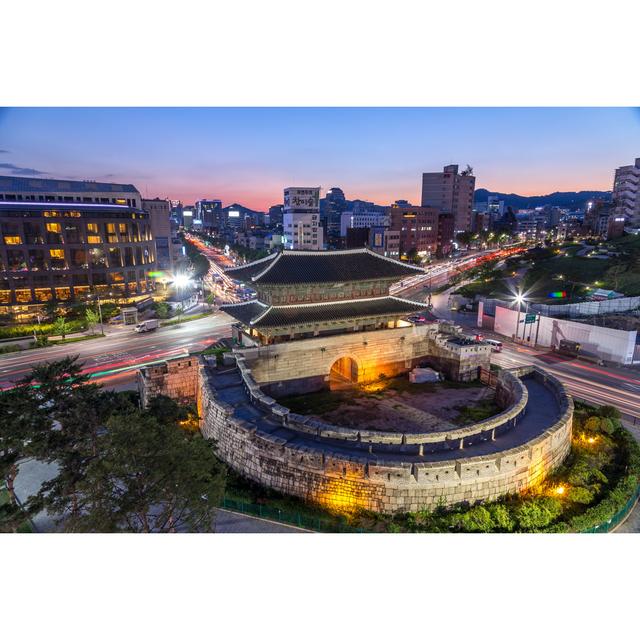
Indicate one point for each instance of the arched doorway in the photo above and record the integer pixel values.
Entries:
(343, 374)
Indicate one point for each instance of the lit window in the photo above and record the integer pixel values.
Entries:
(12, 240)
(57, 253)
(94, 240)
(54, 227)
(92, 227)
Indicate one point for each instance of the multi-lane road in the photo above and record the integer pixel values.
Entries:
(114, 359)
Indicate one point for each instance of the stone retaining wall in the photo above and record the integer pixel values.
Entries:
(388, 486)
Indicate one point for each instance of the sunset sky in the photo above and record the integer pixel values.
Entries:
(248, 155)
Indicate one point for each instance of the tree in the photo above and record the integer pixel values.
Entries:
(92, 318)
(211, 300)
(162, 310)
(150, 476)
(179, 312)
(412, 255)
(465, 238)
(60, 327)
(50, 309)
(21, 419)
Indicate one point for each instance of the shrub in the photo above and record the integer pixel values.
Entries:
(501, 517)
(476, 520)
(607, 425)
(581, 495)
(607, 411)
(537, 513)
(592, 424)
(10, 348)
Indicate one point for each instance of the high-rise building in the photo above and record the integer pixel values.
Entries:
(626, 193)
(301, 219)
(209, 212)
(451, 191)
(333, 206)
(275, 214)
(189, 217)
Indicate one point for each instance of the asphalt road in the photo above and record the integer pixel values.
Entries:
(114, 359)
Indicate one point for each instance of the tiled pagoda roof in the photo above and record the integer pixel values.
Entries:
(299, 267)
(258, 315)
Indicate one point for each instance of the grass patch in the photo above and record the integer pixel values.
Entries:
(197, 316)
(316, 403)
(74, 339)
(480, 411)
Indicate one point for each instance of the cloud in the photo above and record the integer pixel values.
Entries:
(22, 171)
(3, 151)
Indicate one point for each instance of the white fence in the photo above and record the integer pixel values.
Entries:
(617, 305)
(613, 345)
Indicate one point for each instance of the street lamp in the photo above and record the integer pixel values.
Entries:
(519, 299)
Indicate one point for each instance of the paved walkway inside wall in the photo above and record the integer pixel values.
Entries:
(541, 413)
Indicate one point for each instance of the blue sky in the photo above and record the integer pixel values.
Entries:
(248, 155)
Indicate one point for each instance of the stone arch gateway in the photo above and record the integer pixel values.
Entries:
(343, 373)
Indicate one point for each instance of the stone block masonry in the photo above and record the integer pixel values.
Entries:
(320, 463)
(177, 379)
(302, 366)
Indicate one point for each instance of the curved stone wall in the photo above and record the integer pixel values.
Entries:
(263, 441)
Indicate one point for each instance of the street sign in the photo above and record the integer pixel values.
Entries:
(530, 318)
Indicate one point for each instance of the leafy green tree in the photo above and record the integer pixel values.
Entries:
(151, 476)
(162, 310)
(211, 300)
(592, 424)
(60, 327)
(50, 309)
(92, 318)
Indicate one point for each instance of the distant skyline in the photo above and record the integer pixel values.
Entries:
(248, 155)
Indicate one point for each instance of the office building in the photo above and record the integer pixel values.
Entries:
(332, 207)
(275, 214)
(167, 245)
(626, 193)
(352, 220)
(209, 213)
(450, 191)
(61, 248)
(188, 218)
(301, 219)
(418, 228)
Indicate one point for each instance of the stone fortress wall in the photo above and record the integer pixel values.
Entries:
(349, 480)
(345, 468)
(179, 379)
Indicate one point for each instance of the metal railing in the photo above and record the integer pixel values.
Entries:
(287, 517)
(615, 520)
